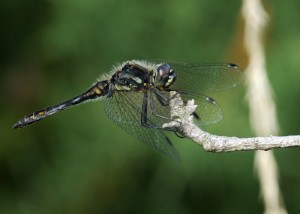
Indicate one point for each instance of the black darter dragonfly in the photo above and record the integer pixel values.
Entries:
(137, 96)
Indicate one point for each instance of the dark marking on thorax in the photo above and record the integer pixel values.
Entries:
(132, 77)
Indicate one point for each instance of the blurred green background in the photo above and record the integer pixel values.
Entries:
(78, 161)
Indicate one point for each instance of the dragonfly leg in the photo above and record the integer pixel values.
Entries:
(162, 102)
(144, 113)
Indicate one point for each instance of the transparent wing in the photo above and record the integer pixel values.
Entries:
(125, 109)
(208, 111)
(206, 77)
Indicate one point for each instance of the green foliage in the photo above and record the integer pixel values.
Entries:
(78, 161)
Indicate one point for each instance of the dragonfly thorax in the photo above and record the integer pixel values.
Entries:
(131, 77)
(164, 76)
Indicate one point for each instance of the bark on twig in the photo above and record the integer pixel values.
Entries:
(184, 124)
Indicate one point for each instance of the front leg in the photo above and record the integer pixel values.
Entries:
(144, 118)
(162, 99)
(144, 114)
(162, 102)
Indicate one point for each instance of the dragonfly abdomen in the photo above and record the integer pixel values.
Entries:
(99, 89)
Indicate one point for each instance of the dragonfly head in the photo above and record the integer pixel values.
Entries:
(164, 76)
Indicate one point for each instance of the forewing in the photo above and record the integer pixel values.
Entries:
(201, 78)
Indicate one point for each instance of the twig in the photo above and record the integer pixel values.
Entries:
(184, 124)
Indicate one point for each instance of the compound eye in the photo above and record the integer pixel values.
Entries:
(164, 70)
(165, 76)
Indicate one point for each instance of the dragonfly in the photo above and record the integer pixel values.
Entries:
(137, 94)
